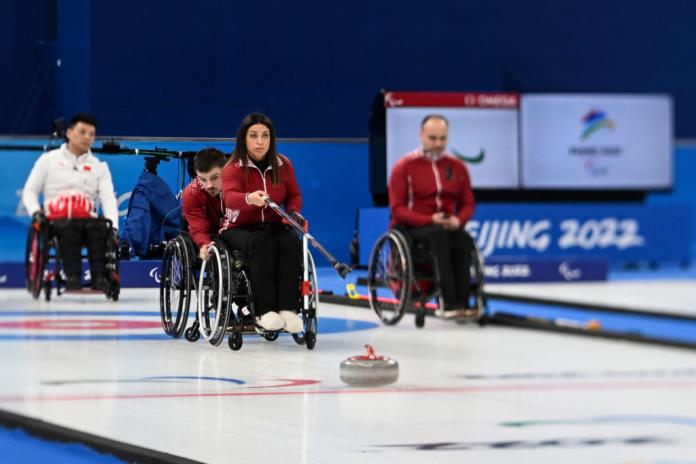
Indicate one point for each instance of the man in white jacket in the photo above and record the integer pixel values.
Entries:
(71, 180)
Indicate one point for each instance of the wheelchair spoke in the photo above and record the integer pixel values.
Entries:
(388, 273)
(175, 288)
(213, 304)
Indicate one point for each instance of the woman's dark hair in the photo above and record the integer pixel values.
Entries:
(241, 153)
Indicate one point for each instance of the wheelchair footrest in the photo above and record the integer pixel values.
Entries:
(248, 327)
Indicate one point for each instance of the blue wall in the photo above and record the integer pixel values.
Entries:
(684, 191)
(27, 34)
(180, 68)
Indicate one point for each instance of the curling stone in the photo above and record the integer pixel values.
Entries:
(369, 370)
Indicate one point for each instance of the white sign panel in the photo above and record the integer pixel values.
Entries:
(485, 138)
(596, 141)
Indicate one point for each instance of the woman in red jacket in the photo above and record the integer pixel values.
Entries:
(273, 250)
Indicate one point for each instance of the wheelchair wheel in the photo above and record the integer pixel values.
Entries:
(420, 318)
(35, 258)
(47, 291)
(192, 334)
(308, 313)
(115, 292)
(478, 279)
(241, 308)
(213, 296)
(235, 341)
(55, 276)
(389, 277)
(113, 269)
(175, 287)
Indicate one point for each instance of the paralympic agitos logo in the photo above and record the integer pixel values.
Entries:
(476, 159)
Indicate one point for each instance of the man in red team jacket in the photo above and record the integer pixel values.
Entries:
(202, 202)
(430, 199)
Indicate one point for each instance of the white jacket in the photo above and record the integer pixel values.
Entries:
(59, 172)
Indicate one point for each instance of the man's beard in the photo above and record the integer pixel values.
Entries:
(434, 153)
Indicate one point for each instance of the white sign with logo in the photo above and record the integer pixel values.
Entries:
(484, 138)
(596, 141)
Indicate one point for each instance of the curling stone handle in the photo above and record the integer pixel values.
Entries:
(370, 352)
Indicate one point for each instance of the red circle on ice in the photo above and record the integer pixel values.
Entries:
(79, 324)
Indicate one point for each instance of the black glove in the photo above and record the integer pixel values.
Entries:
(298, 218)
(40, 218)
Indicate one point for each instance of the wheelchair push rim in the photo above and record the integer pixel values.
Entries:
(175, 288)
(389, 269)
(213, 295)
(35, 259)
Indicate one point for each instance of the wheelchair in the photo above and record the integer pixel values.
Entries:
(183, 274)
(404, 276)
(222, 290)
(180, 262)
(43, 265)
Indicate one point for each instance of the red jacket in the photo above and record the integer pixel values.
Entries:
(420, 186)
(202, 212)
(235, 188)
